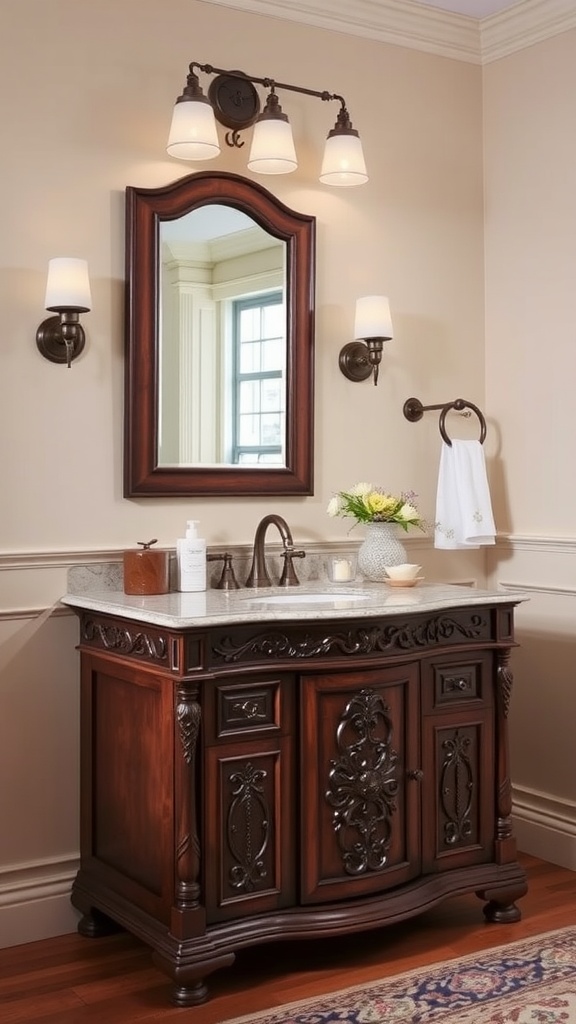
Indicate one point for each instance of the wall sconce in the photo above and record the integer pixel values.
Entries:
(61, 338)
(373, 324)
(235, 103)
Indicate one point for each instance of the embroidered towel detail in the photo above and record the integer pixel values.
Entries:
(463, 508)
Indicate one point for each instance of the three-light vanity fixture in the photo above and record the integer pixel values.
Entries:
(233, 101)
(61, 338)
(372, 327)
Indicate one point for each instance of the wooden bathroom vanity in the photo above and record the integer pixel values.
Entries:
(255, 771)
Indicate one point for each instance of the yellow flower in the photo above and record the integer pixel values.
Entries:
(379, 504)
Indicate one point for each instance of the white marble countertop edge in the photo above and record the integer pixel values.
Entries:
(217, 607)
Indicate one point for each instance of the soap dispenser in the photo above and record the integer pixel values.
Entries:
(191, 558)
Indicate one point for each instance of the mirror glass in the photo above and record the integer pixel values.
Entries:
(222, 341)
(219, 372)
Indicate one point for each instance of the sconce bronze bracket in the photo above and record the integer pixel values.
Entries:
(236, 103)
(353, 360)
(60, 343)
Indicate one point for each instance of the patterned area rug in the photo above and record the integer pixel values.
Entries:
(528, 982)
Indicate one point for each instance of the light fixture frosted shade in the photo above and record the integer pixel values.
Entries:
(373, 318)
(193, 134)
(343, 162)
(272, 150)
(68, 285)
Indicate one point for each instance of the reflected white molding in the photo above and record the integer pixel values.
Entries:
(417, 27)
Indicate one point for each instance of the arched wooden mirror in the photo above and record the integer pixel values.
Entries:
(220, 338)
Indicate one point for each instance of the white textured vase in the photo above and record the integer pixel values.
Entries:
(381, 547)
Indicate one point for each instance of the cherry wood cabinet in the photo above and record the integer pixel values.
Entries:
(249, 782)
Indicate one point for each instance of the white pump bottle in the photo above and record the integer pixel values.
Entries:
(191, 558)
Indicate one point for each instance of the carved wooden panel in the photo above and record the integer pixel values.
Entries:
(354, 640)
(458, 813)
(360, 807)
(249, 828)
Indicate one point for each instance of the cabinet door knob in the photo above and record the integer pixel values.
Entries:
(415, 773)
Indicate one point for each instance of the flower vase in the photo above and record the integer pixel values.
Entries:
(381, 547)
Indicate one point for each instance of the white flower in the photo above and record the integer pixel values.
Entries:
(333, 506)
(408, 512)
(360, 489)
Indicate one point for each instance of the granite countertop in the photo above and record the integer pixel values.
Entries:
(308, 602)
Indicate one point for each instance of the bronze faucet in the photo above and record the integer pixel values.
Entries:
(259, 576)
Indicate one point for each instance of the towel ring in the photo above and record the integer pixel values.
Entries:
(459, 405)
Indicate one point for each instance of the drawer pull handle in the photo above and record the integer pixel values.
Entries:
(247, 709)
(455, 683)
(416, 774)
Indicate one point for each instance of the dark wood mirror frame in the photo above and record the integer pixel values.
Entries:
(146, 208)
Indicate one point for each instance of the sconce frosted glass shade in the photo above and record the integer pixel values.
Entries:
(343, 162)
(373, 318)
(68, 285)
(193, 134)
(272, 150)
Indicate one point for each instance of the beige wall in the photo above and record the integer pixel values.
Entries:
(87, 92)
(82, 127)
(530, 162)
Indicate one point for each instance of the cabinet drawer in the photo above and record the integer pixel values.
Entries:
(461, 681)
(241, 708)
(247, 707)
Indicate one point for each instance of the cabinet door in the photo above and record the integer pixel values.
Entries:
(249, 809)
(458, 761)
(359, 772)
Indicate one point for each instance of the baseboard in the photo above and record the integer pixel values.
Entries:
(545, 827)
(35, 902)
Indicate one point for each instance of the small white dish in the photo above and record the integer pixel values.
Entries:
(406, 571)
(404, 583)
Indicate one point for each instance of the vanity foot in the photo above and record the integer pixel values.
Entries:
(189, 987)
(189, 995)
(95, 925)
(501, 907)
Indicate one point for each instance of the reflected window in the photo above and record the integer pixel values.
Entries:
(259, 360)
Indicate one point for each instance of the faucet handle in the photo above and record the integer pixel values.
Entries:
(227, 580)
(289, 577)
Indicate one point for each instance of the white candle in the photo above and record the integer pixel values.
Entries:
(341, 570)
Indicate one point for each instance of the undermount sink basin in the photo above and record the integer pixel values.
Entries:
(327, 598)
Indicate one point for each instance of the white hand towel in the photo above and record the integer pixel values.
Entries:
(463, 508)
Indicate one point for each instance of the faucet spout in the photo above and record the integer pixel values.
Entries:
(259, 575)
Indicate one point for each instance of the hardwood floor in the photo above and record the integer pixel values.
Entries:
(74, 980)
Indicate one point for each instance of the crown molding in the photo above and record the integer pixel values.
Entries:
(523, 25)
(399, 22)
(418, 27)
